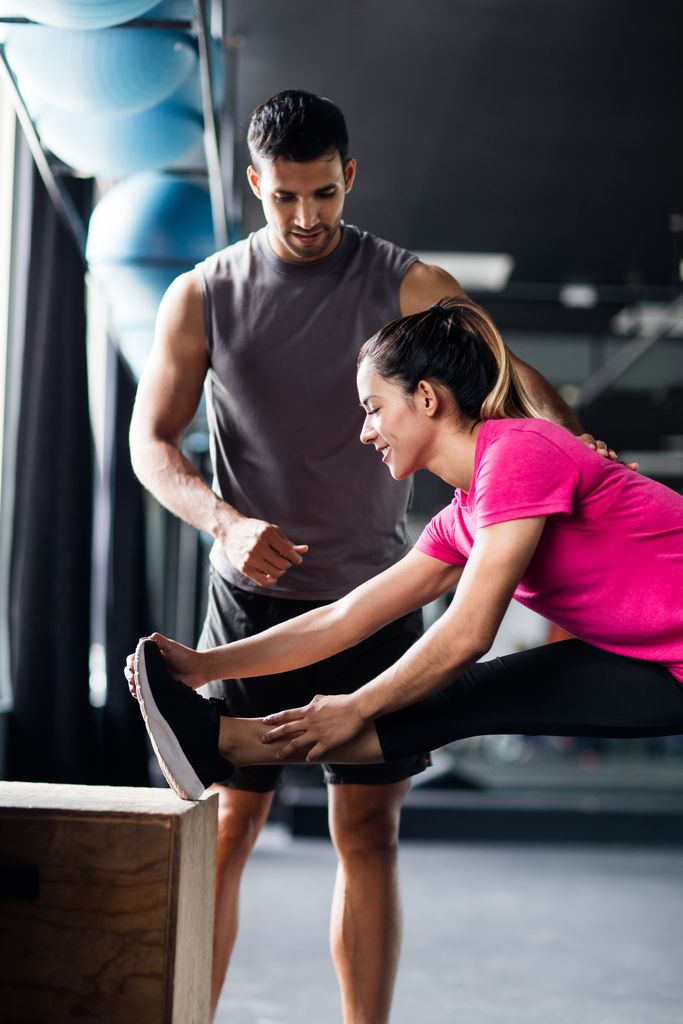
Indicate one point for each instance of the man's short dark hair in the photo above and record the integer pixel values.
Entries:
(299, 126)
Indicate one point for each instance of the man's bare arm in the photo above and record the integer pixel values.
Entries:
(167, 399)
(552, 405)
(168, 395)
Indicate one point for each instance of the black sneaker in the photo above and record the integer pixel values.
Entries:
(182, 726)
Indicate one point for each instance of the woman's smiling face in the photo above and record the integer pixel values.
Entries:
(395, 423)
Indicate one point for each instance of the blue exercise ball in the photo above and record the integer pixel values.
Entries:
(172, 10)
(134, 344)
(134, 292)
(190, 92)
(116, 145)
(188, 97)
(152, 219)
(35, 103)
(116, 71)
(83, 14)
(183, 10)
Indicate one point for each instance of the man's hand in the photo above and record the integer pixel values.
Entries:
(183, 663)
(601, 448)
(261, 551)
(322, 725)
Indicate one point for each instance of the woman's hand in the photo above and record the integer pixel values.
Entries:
(183, 663)
(322, 725)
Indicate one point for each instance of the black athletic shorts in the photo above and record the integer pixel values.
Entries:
(233, 613)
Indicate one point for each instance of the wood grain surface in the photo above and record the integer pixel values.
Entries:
(117, 925)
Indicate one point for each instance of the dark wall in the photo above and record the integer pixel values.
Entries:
(548, 130)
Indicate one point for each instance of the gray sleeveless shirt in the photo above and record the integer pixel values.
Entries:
(283, 410)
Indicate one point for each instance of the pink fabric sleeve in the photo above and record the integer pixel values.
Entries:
(523, 474)
(437, 539)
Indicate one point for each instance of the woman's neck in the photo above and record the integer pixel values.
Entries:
(454, 455)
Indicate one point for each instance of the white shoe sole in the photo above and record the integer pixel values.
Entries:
(177, 770)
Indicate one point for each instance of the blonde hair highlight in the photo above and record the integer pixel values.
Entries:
(508, 398)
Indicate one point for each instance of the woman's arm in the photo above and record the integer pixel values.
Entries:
(414, 581)
(498, 560)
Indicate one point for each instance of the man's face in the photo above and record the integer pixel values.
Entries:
(303, 203)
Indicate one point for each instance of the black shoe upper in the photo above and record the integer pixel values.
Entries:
(195, 720)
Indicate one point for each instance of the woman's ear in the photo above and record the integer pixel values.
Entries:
(428, 397)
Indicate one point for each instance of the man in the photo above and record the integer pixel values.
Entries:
(273, 325)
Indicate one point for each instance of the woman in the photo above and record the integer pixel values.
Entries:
(537, 515)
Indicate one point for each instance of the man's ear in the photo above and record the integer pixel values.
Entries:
(350, 168)
(254, 180)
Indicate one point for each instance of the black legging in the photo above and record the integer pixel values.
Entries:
(565, 689)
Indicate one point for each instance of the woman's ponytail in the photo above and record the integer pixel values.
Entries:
(456, 344)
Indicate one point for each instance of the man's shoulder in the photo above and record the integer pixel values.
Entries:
(372, 241)
(218, 263)
(373, 248)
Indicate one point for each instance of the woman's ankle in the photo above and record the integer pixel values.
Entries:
(239, 740)
(227, 738)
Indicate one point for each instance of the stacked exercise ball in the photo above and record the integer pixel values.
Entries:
(117, 103)
(114, 102)
(115, 72)
(143, 233)
(82, 13)
(115, 147)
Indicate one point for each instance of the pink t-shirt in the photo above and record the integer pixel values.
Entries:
(609, 565)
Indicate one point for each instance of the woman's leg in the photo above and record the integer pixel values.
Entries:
(564, 689)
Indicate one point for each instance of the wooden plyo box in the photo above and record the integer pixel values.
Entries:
(106, 905)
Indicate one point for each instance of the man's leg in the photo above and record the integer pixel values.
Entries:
(365, 809)
(365, 927)
(243, 804)
(367, 895)
(241, 816)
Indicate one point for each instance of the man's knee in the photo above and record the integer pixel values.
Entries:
(241, 816)
(365, 820)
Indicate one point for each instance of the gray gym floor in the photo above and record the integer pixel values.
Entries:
(492, 933)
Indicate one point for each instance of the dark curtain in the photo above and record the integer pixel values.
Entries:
(50, 730)
(54, 735)
(125, 750)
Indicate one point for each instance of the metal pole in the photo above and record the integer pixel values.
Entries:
(213, 160)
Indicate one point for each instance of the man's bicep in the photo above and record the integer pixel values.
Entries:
(171, 383)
